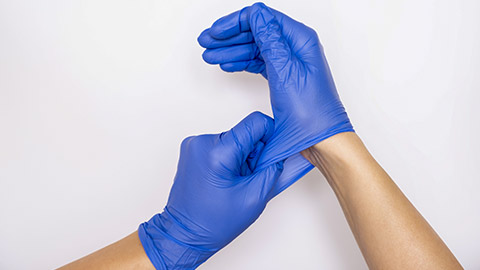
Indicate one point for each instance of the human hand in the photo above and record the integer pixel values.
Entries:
(305, 102)
(217, 193)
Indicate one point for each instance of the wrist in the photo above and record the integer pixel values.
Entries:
(334, 148)
(164, 250)
(341, 158)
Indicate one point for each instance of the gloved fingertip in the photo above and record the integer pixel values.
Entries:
(268, 124)
(209, 57)
(204, 38)
(216, 31)
(228, 67)
(231, 25)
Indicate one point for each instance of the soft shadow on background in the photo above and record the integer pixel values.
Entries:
(96, 96)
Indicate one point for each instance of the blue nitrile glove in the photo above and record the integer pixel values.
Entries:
(217, 193)
(305, 103)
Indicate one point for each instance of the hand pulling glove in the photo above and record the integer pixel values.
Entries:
(306, 106)
(218, 192)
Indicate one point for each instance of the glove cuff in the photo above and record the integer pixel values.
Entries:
(166, 252)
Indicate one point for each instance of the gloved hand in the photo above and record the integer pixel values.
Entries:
(217, 193)
(305, 103)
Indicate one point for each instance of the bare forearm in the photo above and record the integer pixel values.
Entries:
(390, 232)
(127, 253)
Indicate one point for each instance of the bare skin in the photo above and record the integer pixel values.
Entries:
(126, 253)
(390, 232)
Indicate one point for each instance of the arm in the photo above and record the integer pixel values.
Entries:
(126, 253)
(390, 232)
(217, 193)
(309, 115)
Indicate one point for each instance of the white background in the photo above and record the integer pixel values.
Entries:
(96, 96)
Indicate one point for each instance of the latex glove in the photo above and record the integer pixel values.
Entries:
(305, 103)
(217, 193)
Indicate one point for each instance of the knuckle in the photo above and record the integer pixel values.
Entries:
(310, 31)
(257, 114)
(187, 142)
(226, 67)
(258, 5)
